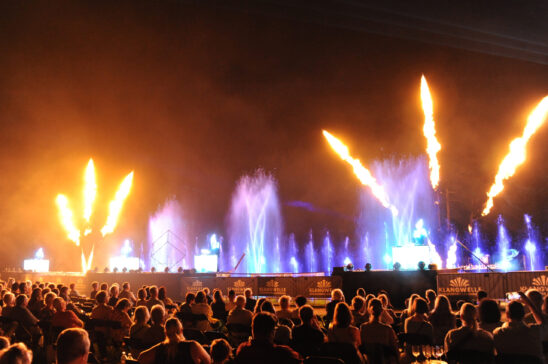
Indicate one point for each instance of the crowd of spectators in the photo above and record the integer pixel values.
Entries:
(112, 325)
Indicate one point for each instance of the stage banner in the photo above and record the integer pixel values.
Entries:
(316, 287)
(195, 284)
(238, 284)
(466, 285)
(275, 286)
(522, 281)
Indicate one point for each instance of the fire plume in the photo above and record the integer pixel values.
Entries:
(363, 174)
(517, 154)
(65, 215)
(89, 193)
(429, 130)
(115, 207)
(90, 190)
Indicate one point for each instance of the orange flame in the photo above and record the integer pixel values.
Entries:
(363, 174)
(115, 207)
(517, 154)
(90, 190)
(429, 130)
(65, 215)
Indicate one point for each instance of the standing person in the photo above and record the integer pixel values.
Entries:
(515, 337)
(249, 300)
(72, 347)
(341, 329)
(175, 349)
(261, 349)
(469, 336)
(126, 293)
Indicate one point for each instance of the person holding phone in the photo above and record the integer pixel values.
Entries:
(515, 336)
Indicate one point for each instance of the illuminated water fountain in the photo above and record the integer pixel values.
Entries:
(255, 224)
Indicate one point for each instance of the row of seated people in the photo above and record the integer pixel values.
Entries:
(369, 322)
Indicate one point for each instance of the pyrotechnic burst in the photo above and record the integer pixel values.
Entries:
(363, 174)
(516, 155)
(90, 192)
(429, 130)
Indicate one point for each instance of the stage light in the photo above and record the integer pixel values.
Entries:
(368, 267)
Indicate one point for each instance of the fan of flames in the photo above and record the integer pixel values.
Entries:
(66, 215)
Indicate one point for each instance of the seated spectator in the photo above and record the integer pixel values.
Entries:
(469, 336)
(515, 337)
(241, 317)
(358, 315)
(418, 323)
(387, 317)
(23, 316)
(200, 307)
(489, 315)
(127, 294)
(140, 323)
(101, 311)
(261, 349)
(141, 298)
(64, 293)
(249, 301)
(175, 349)
(300, 301)
(431, 299)
(282, 333)
(153, 298)
(481, 295)
(104, 287)
(120, 314)
(16, 354)
(72, 347)
(218, 306)
(162, 296)
(537, 300)
(207, 296)
(4, 342)
(155, 333)
(8, 304)
(442, 319)
(336, 297)
(113, 298)
(62, 317)
(259, 304)
(94, 289)
(284, 312)
(375, 332)
(408, 312)
(36, 301)
(221, 352)
(341, 329)
(308, 336)
(46, 313)
(361, 292)
(231, 302)
(72, 291)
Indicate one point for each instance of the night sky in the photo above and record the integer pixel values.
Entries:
(191, 97)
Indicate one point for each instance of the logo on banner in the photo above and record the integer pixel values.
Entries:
(272, 287)
(323, 288)
(239, 283)
(239, 286)
(459, 286)
(539, 283)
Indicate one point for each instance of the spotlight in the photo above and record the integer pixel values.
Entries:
(124, 270)
(180, 270)
(166, 270)
(115, 270)
(152, 270)
(397, 266)
(421, 265)
(432, 266)
(349, 267)
(367, 267)
(106, 270)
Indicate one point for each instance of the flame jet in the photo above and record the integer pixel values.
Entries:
(429, 130)
(115, 207)
(517, 154)
(89, 194)
(363, 174)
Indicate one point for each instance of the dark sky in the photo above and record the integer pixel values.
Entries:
(192, 97)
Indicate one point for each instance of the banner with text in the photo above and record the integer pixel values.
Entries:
(467, 285)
